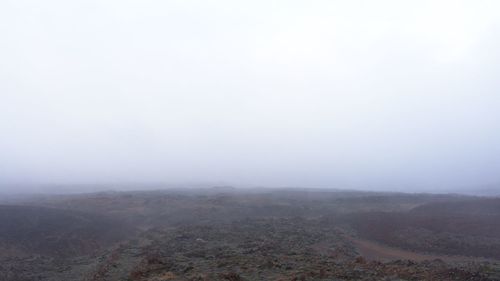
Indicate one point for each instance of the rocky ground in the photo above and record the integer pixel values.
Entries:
(316, 243)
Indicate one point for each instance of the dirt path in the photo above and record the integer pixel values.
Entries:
(375, 251)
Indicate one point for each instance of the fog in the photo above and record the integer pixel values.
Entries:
(375, 95)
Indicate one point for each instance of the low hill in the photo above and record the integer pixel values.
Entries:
(478, 206)
(453, 228)
(27, 230)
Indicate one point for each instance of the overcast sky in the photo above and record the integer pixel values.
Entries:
(367, 94)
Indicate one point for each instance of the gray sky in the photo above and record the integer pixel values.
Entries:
(371, 94)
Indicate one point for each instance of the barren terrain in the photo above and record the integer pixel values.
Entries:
(224, 233)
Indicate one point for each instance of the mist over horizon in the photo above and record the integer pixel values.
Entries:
(331, 94)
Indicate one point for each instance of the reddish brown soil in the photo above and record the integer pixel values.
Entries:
(375, 251)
